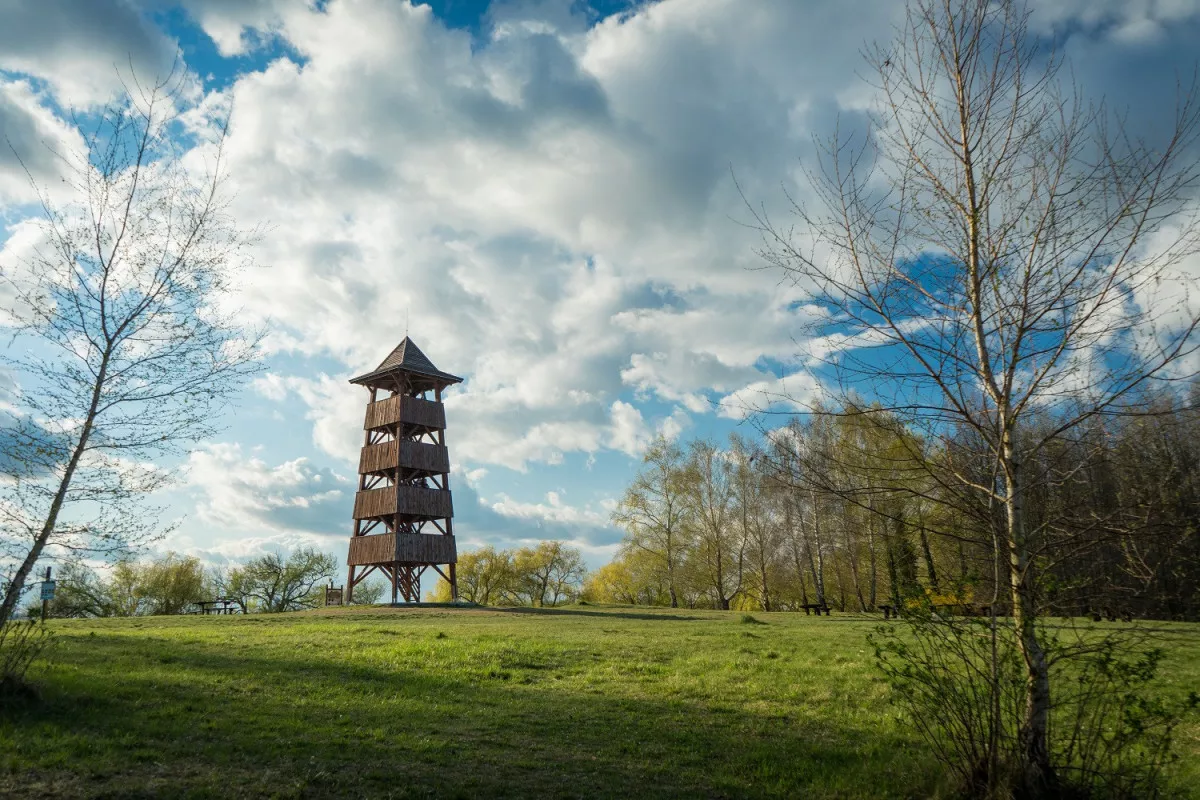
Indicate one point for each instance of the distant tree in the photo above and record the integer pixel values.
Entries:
(368, 593)
(719, 554)
(168, 584)
(79, 592)
(551, 571)
(754, 513)
(653, 511)
(634, 577)
(123, 346)
(233, 584)
(273, 583)
(542, 575)
(172, 583)
(484, 575)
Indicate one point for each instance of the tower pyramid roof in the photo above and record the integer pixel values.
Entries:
(407, 357)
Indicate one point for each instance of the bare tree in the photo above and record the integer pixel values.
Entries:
(123, 344)
(998, 250)
(653, 511)
(759, 529)
(273, 584)
(719, 552)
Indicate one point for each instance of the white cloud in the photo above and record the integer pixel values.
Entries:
(797, 391)
(630, 434)
(83, 49)
(246, 495)
(550, 205)
(335, 407)
(35, 142)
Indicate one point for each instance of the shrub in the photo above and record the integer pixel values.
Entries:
(21, 643)
(962, 680)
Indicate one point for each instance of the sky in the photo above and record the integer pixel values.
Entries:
(545, 192)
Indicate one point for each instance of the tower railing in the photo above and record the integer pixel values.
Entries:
(409, 410)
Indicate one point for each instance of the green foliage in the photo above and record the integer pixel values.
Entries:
(21, 644)
(273, 583)
(962, 681)
(169, 584)
(546, 575)
(369, 593)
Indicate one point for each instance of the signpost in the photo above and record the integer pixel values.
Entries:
(333, 596)
(48, 587)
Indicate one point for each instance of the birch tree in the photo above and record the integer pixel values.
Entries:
(122, 340)
(719, 556)
(653, 511)
(998, 248)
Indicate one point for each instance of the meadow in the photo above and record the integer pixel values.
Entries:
(582, 701)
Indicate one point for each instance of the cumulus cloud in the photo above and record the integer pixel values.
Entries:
(549, 202)
(35, 142)
(798, 391)
(79, 46)
(501, 521)
(248, 496)
(550, 207)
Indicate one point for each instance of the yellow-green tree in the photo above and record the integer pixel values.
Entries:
(654, 512)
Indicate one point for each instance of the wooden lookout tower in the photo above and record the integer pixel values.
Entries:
(402, 510)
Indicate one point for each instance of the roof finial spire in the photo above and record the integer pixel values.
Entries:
(406, 307)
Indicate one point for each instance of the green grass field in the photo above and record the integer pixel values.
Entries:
(441, 702)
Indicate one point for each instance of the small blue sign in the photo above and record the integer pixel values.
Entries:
(48, 590)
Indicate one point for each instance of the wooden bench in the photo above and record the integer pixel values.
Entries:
(817, 607)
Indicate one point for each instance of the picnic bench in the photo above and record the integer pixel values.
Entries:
(817, 607)
(221, 605)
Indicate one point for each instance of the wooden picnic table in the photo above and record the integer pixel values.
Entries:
(219, 606)
(818, 607)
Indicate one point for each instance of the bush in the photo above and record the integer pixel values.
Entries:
(20, 645)
(963, 682)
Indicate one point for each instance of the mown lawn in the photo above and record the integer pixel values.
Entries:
(439, 702)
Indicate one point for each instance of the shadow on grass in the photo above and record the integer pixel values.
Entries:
(134, 720)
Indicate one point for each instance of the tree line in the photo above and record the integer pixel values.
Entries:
(552, 573)
(174, 583)
(846, 510)
(548, 574)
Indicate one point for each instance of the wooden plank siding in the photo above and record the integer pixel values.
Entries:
(378, 548)
(425, 456)
(426, 548)
(375, 502)
(379, 457)
(429, 503)
(409, 410)
(410, 455)
(413, 501)
(385, 548)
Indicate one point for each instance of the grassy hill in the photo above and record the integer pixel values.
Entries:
(442, 702)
